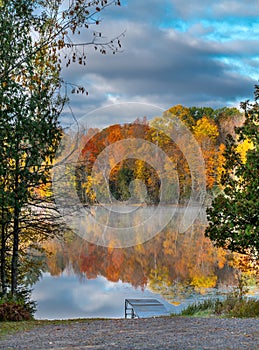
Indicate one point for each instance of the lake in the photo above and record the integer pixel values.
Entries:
(88, 280)
(66, 297)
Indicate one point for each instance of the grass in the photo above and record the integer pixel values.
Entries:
(229, 307)
(7, 328)
(202, 309)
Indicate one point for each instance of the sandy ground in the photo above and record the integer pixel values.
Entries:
(153, 333)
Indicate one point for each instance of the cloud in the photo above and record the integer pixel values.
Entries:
(193, 55)
(215, 9)
(234, 8)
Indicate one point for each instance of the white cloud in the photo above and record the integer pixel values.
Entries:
(237, 8)
(215, 9)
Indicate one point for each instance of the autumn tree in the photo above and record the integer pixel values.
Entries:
(206, 133)
(233, 217)
(168, 124)
(227, 119)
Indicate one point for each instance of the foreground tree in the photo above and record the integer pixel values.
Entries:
(33, 35)
(30, 132)
(234, 216)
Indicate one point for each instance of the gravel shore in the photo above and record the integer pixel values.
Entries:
(163, 333)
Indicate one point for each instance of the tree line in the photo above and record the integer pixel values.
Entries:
(209, 128)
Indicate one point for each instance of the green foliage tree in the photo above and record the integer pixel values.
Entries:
(33, 35)
(199, 112)
(29, 127)
(234, 216)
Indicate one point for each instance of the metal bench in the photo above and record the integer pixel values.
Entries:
(136, 308)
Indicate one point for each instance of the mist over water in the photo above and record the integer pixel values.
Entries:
(87, 280)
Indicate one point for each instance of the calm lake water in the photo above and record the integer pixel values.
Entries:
(87, 280)
(68, 297)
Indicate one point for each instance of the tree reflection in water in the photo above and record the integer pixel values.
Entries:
(173, 264)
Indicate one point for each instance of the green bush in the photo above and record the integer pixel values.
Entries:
(246, 308)
(206, 306)
(224, 307)
(230, 307)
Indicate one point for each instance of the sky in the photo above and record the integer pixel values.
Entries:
(195, 53)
